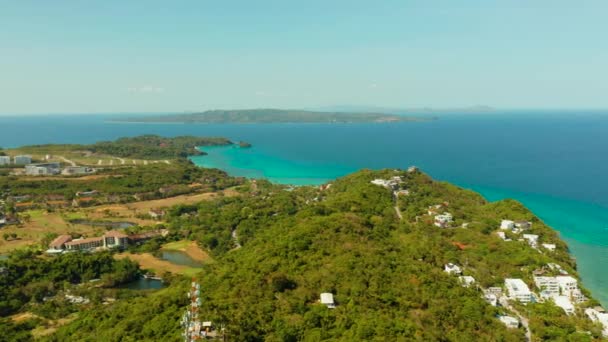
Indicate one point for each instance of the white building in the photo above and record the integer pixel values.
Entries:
(507, 224)
(600, 317)
(491, 299)
(5, 160)
(510, 322)
(503, 236)
(327, 299)
(23, 160)
(567, 283)
(564, 303)
(532, 239)
(548, 285)
(466, 281)
(443, 220)
(518, 290)
(43, 169)
(451, 268)
(549, 246)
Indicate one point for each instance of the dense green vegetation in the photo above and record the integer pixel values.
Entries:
(29, 277)
(274, 116)
(276, 248)
(156, 147)
(33, 283)
(385, 273)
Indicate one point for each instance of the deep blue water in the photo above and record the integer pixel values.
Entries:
(554, 162)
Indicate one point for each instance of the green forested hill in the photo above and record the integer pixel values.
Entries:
(386, 273)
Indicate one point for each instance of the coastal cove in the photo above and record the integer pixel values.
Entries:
(553, 162)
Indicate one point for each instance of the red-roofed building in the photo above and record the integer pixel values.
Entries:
(59, 242)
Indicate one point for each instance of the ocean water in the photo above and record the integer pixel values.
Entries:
(554, 162)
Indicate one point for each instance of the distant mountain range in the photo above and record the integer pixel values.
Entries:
(276, 116)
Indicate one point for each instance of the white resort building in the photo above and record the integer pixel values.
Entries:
(518, 290)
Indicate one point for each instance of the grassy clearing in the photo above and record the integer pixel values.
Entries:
(150, 262)
(190, 248)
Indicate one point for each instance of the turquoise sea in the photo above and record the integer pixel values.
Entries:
(554, 162)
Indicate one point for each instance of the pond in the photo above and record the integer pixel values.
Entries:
(106, 224)
(143, 284)
(179, 258)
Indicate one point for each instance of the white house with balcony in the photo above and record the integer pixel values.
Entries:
(547, 285)
(518, 290)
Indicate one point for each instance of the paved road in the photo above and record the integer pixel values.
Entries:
(524, 321)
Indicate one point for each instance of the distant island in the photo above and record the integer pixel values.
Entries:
(273, 116)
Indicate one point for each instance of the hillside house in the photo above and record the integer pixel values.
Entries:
(466, 281)
(564, 303)
(549, 246)
(327, 299)
(600, 317)
(443, 220)
(451, 268)
(44, 169)
(548, 286)
(532, 240)
(507, 224)
(510, 322)
(518, 290)
(23, 160)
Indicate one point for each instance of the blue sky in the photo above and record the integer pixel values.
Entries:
(157, 56)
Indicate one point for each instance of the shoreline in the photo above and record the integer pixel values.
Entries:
(542, 206)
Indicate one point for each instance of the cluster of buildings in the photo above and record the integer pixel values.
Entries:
(562, 290)
(109, 240)
(51, 169)
(517, 227)
(492, 294)
(441, 220)
(391, 183)
(44, 169)
(17, 160)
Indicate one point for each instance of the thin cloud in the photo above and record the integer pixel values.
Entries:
(146, 89)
